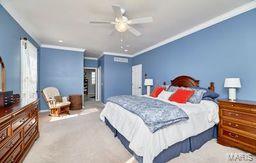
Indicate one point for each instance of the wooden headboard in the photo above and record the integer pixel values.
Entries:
(187, 81)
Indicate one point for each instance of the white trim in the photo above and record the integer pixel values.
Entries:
(91, 68)
(96, 84)
(44, 111)
(242, 9)
(90, 58)
(19, 20)
(62, 48)
(118, 54)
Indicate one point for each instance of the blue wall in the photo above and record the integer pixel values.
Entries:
(61, 69)
(227, 49)
(90, 63)
(116, 77)
(10, 49)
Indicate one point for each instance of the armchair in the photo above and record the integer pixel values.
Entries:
(56, 107)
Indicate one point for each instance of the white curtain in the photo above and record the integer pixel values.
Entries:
(28, 72)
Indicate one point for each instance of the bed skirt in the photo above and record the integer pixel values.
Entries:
(190, 144)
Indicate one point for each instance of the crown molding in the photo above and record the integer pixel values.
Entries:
(19, 20)
(62, 48)
(242, 9)
(90, 58)
(118, 54)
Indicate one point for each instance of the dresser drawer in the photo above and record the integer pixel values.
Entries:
(12, 158)
(239, 138)
(20, 120)
(239, 126)
(10, 144)
(239, 115)
(4, 133)
(29, 125)
(29, 136)
(33, 112)
(238, 107)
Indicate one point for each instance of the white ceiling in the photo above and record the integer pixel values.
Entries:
(51, 20)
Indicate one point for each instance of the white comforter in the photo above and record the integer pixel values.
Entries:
(144, 143)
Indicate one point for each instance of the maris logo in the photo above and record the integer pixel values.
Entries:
(240, 157)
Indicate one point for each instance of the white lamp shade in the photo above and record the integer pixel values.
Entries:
(148, 82)
(232, 83)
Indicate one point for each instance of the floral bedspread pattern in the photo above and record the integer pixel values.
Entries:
(156, 114)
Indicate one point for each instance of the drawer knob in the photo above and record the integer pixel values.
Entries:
(2, 137)
(11, 159)
(233, 135)
(10, 145)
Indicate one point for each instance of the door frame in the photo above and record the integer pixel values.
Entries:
(99, 83)
(140, 77)
(96, 82)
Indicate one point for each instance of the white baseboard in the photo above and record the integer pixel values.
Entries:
(43, 111)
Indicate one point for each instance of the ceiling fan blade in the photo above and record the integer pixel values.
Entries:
(134, 31)
(117, 11)
(140, 20)
(102, 22)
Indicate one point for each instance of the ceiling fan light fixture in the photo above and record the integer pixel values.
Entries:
(121, 27)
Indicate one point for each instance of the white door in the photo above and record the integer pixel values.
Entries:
(99, 84)
(137, 80)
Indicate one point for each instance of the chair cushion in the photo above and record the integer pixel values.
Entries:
(58, 98)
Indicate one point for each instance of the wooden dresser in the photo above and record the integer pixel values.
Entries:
(18, 131)
(237, 127)
(76, 102)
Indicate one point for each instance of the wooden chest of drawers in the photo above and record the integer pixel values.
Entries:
(76, 102)
(18, 131)
(237, 127)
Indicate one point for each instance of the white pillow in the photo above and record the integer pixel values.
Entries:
(165, 95)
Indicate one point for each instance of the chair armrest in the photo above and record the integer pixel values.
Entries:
(51, 102)
(65, 99)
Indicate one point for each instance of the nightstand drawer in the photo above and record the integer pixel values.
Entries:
(239, 138)
(239, 115)
(239, 126)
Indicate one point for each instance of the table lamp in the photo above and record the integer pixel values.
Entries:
(232, 84)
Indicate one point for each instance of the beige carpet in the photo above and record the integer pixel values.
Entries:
(82, 138)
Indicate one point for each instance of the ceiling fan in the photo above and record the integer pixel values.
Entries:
(122, 23)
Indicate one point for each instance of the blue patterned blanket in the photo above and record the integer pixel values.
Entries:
(156, 114)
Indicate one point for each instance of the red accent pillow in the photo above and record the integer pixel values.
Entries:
(157, 91)
(181, 96)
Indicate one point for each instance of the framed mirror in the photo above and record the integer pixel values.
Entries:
(2, 76)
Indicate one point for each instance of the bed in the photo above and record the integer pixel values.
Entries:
(168, 142)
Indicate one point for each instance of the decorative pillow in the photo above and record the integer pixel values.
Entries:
(182, 96)
(165, 95)
(157, 91)
(197, 96)
(58, 98)
(173, 88)
(208, 94)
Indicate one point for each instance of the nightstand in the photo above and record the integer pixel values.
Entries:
(237, 127)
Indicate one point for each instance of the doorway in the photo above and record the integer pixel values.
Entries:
(137, 80)
(90, 84)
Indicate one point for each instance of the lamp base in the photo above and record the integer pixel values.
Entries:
(148, 90)
(232, 94)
